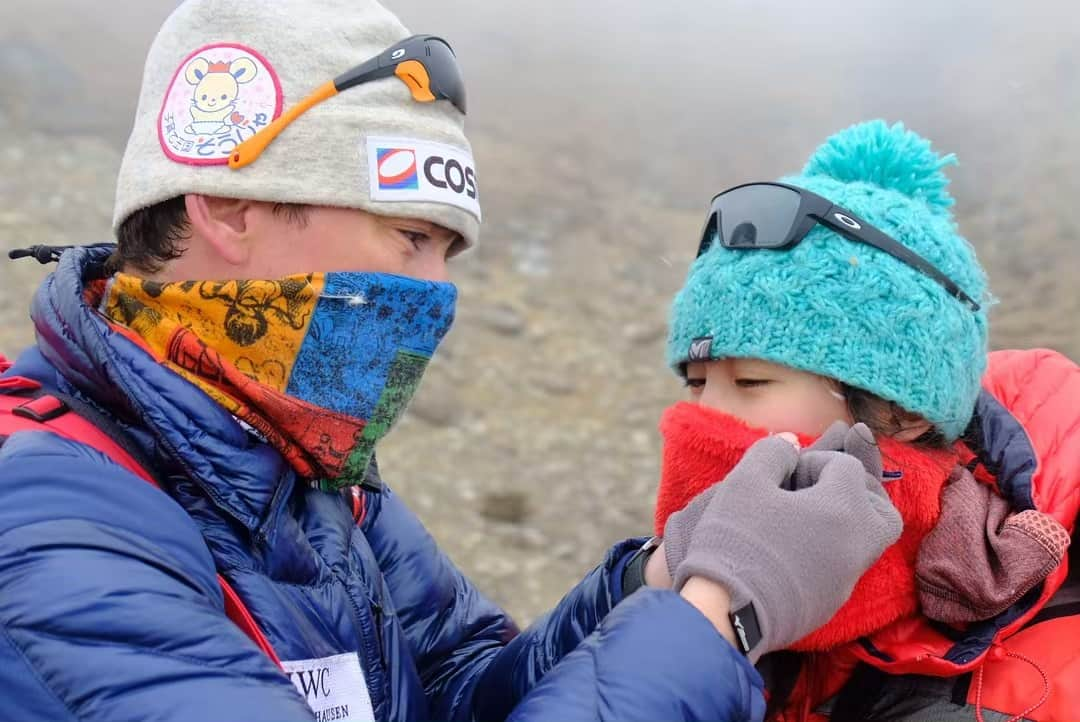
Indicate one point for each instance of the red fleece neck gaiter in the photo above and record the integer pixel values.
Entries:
(701, 445)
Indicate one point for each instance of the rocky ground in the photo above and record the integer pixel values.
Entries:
(532, 444)
(535, 421)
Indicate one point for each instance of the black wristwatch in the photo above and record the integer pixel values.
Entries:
(633, 576)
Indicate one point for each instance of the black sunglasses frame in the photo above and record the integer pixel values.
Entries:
(446, 80)
(425, 63)
(814, 209)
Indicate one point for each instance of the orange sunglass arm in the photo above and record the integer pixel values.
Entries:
(252, 148)
(415, 76)
(411, 72)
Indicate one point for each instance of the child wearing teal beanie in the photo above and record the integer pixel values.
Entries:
(847, 294)
(848, 311)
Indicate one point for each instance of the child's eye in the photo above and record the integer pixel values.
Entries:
(751, 383)
(695, 385)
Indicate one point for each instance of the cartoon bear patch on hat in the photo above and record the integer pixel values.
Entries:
(220, 96)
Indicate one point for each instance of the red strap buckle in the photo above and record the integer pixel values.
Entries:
(41, 409)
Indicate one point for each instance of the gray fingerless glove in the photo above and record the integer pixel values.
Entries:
(794, 555)
(680, 526)
(857, 441)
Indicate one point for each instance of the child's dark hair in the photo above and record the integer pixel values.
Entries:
(887, 418)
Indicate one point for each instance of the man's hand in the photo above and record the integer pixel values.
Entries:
(656, 569)
(678, 529)
(794, 555)
(713, 601)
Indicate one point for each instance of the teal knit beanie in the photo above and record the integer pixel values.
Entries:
(846, 310)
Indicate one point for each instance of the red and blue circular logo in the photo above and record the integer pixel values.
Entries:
(397, 169)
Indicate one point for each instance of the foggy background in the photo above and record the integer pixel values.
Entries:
(601, 129)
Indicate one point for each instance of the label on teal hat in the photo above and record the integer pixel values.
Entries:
(700, 349)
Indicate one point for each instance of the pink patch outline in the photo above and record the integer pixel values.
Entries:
(279, 100)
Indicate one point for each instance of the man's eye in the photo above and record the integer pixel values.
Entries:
(418, 238)
(751, 383)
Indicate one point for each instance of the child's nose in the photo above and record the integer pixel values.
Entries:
(716, 396)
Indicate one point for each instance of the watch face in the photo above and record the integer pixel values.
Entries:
(747, 628)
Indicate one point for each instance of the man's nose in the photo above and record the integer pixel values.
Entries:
(430, 266)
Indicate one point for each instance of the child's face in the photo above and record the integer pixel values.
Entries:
(767, 395)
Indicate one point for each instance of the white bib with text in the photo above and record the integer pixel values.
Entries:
(334, 687)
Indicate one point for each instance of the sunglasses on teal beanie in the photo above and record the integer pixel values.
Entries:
(778, 216)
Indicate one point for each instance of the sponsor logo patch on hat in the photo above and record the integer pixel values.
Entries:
(700, 349)
(219, 96)
(407, 169)
(397, 169)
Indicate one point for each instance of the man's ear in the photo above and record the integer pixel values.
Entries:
(222, 223)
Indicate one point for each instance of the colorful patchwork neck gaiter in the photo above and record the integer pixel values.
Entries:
(321, 365)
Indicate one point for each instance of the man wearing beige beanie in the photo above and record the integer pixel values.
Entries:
(295, 182)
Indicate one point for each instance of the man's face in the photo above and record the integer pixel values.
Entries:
(344, 239)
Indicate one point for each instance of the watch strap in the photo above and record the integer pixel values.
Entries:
(633, 576)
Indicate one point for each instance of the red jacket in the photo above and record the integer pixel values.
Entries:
(1027, 441)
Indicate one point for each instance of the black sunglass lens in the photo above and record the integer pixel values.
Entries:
(444, 72)
(756, 216)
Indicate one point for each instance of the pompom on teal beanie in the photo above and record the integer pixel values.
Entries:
(846, 310)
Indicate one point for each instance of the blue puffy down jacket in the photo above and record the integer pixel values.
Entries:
(110, 608)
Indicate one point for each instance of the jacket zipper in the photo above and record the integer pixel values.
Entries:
(370, 654)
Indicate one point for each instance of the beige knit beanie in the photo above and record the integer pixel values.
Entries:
(219, 70)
